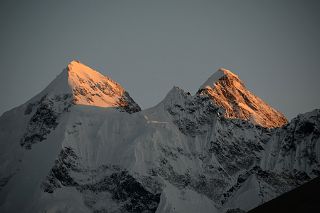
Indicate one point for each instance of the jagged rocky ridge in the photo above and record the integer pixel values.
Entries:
(183, 155)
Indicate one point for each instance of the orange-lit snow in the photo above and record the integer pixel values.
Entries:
(89, 87)
(229, 92)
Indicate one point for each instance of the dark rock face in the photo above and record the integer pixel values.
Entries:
(60, 173)
(192, 113)
(128, 104)
(235, 157)
(126, 190)
(45, 117)
(112, 183)
(306, 128)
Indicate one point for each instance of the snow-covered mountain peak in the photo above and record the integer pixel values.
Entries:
(229, 92)
(78, 73)
(90, 87)
(220, 73)
(182, 155)
(85, 86)
(175, 93)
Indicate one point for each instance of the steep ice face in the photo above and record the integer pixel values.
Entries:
(230, 93)
(296, 146)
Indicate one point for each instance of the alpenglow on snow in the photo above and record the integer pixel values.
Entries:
(84, 145)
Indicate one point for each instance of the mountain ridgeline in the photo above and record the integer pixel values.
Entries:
(84, 145)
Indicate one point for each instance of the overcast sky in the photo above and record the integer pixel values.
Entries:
(150, 46)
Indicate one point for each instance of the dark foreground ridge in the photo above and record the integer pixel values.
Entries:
(302, 199)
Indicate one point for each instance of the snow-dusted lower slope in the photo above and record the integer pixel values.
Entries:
(183, 155)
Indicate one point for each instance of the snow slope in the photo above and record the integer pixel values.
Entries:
(70, 150)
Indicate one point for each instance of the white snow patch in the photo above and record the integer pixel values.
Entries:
(185, 200)
(247, 197)
(213, 79)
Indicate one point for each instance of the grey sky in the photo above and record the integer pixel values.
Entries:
(150, 46)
